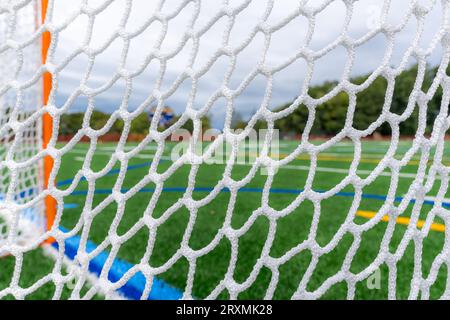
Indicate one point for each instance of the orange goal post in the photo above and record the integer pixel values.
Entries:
(47, 127)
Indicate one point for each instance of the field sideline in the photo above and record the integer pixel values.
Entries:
(291, 230)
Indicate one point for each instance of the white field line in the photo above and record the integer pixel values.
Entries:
(127, 148)
(139, 156)
(371, 155)
(287, 167)
(106, 153)
(343, 154)
(433, 198)
(144, 156)
(84, 151)
(374, 155)
(367, 155)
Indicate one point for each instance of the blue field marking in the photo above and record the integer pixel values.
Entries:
(209, 189)
(70, 205)
(256, 190)
(110, 173)
(134, 287)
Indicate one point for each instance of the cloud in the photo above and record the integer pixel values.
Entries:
(285, 42)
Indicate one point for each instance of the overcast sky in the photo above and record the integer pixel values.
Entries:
(285, 42)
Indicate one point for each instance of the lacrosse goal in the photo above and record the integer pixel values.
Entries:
(54, 186)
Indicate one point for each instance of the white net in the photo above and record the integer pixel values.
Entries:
(23, 194)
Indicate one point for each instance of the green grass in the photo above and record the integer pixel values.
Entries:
(290, 230)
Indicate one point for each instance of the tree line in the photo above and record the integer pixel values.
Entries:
(70, 123)
(329, 117)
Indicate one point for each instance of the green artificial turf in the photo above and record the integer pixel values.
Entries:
(290, 230)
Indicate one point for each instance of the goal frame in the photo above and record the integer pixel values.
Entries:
(47, 125)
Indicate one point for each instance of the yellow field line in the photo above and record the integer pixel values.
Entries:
(345, 159)
(439, 227)
(332, 159)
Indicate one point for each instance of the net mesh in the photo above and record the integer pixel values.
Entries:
(20, 137)
(21, 154)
